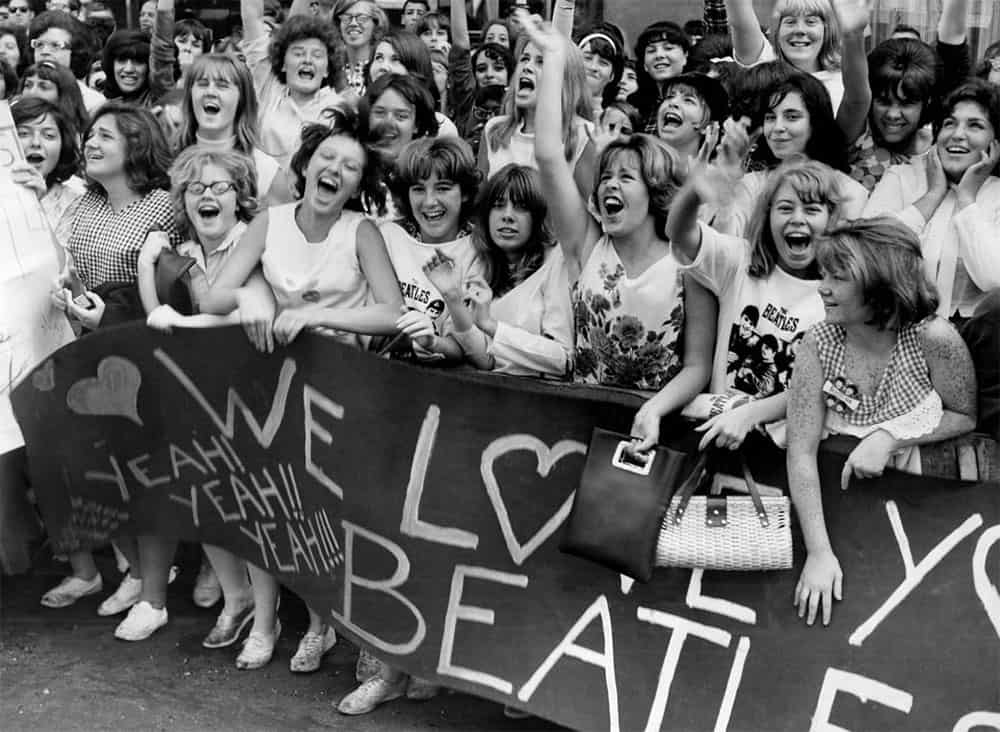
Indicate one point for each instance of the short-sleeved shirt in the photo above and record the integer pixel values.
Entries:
(105, 244)
(207, 267)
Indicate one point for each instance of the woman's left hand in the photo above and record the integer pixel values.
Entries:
(977, 173)
(90, 317)
(728, 429)
(869, 458)
(27, 175)
(646, 428)
(290, 323)
(441, 271)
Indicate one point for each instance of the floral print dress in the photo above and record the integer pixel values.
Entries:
(627, 330)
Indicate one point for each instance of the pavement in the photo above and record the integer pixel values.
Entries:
(64, 670)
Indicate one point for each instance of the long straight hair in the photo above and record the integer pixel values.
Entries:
(225, 68)
(575, 101)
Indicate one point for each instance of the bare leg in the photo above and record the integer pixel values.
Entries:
(156, 555)
(232, 573)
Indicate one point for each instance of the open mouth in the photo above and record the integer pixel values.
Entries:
(671, 119)
(798, 242)
(209, 210)
(211, 107)
(306, 74)
(800, 43)
(956, 150)
(434, 215)
(35, 158)
(613, 205)
(662, 66)
(507, 232)
(525, 84)
(328, 184)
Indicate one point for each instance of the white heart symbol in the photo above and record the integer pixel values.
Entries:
(547, 457)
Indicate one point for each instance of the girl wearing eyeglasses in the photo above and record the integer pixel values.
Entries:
(360, 24)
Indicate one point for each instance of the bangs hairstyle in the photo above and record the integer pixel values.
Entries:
(506, 25)
(980, 91)
(519, 185)
(827, 142)
(303, 28)
(124, 44)
(412, 92)
(147, 154)
(646, 97)
(829, 50)
(192, 27)
(432, 22)
(449, 158)
(494, 52)
(575, 101)
(80, 40)
(614, 53)
(221, 68)
(30, 109)
(661, 170)
(904, 69)
(70, 99)
(343, 124)
(187, 169)
(813, 182)
(415, 57)
(883, 256)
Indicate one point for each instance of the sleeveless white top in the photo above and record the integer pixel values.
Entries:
(306, 274)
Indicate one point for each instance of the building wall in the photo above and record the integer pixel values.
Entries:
(634, 15)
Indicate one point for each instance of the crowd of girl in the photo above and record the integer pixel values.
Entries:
(545, 206)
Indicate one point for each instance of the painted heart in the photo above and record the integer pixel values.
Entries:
(44, 378)
(547, 458)
(114, 393)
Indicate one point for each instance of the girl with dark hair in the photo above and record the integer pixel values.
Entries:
(660, 53)
(8, 79)
(51, 144)
(496, 31)
(523, 322)
(126, 158)
(134, 75)
(629, 83)
(61, 39)
(882, 368)
(293, 74)
(329, 271)
(604, 59)
(14, 47)
(765, 284)
(434, 30)
(989, 67)
(798, 120)
(57, 85)
(627, 285)
(190, 39)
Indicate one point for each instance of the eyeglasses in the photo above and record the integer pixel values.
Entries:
(359, 18)
(218, 187)
(39, 45)
(25, 10)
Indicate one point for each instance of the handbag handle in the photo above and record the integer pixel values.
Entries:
(626, 458)
(686, 491)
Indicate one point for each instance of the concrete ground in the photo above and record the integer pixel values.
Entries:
(64, 670)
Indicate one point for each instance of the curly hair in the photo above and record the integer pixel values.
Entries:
(81, 43)
(70, 99)
(661, 169)
(494, 52)
(449, 158)
(29, 109)
(813, 182)
(518, 185)
(303, 28)
(976, 90)
(187, 169)
(344, 123)
(883, 256)
(147, 153)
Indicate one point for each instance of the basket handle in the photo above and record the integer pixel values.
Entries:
(688, 487)
(758, 504)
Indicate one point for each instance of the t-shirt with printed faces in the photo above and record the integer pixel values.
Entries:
(409, 254)
(761, 319)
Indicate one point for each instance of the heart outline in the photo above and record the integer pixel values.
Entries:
(547, 458)
(114, 392)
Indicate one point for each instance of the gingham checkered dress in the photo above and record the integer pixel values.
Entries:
(905, 383)
(105, 245)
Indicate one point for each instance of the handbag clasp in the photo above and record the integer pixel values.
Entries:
(632, 461)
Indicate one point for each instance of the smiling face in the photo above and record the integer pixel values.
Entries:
(800, 38)
(628, 85)
(795, 225)
(130, 75)
(104, 150)
(189, 48)
(786, 126)
(526, 73)
(622, 195)
(357, 24)
(395, 119)
(147, 16)
(333, 175)
(41, 88)
(599, 70)
(215, 100)
(41, 142)
(437, 208)
(894, 119)
(306, 65)
(385, 60)
(663, 59)
(9, 50)
(212, 213)
(510, 227)
(965, 135)
(489, 71)
(54, 46)
(681, 116)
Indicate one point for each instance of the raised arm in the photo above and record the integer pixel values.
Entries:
(853, 16)
(952, 24)
(162, 52)
(252, 12)
(574, 226)
(748, 40)
(562, 16)
(821, 579)
(222, 297)
(459, 26)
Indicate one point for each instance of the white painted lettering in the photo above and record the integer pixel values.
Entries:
(311, 396)
(863, 688)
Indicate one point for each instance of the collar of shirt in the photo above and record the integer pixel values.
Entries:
(193, 249)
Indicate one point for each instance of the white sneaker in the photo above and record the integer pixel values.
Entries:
(207, 590)
(371, 694)
(140, 623)
(312, 648)
(70, 590)
(123, 598)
